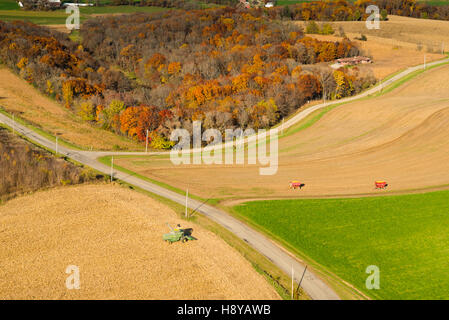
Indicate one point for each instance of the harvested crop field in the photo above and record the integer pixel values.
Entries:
(400, 42)
(26, 102)
(429, 33)
(400, 137)
(114, 236)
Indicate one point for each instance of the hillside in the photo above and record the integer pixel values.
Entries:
(21, 99)
(219, 70)
(398, 136)
(401, 42)
(24, 167)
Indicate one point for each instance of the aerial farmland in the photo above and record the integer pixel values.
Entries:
(200, 151)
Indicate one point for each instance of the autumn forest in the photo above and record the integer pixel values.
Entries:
(227, 67)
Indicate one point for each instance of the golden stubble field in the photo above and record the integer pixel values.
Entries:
(400, 42)
(402, 30)
(401, 137)
(114, 236)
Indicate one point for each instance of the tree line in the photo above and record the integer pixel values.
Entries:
(323, 10)
(342, 10)
(414, 9)
(25, 168)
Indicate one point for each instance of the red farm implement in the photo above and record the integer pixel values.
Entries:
(296, 184)
(381, 184)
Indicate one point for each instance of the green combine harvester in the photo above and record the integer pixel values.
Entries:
(178, 234)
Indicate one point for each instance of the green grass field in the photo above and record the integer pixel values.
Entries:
(119, 9)
(37, 17)
(8, 5)
(406, 236)
(10, 11)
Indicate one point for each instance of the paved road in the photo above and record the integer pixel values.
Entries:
(313, 285)
(301, 115)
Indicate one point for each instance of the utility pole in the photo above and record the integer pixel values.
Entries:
(300, 281)
(146, 143)
(187, 198)
(293, 275)
(112, 168)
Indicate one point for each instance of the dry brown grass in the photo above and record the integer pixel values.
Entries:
(20, 98)
(58, 27)
(400, 136)
(114, 235)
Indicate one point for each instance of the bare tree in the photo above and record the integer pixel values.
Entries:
(326, 78)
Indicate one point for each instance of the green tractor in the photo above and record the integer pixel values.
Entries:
(178, 234)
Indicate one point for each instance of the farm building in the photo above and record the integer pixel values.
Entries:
(29, 4)
(352, 61)
(255, 4)
(49, 4)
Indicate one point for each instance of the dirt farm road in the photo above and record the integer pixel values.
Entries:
(313, 285)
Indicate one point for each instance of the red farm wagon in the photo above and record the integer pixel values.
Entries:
(296, 185)
(381, 184)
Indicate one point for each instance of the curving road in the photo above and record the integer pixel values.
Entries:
(313, 285)
(304, 113)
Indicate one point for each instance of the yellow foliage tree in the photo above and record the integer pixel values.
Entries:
(344, 85)
(159, 142)
(22, 63)
(87, 111)
(67, 93)
(174, 68)
(50, 89)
